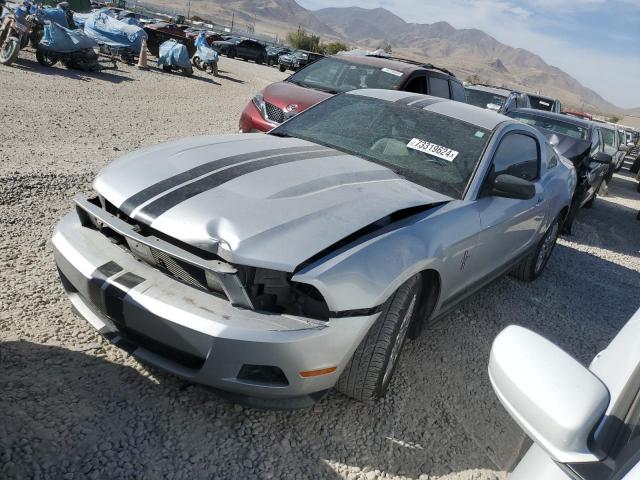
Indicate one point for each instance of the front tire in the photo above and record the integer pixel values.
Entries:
(368, 374)
(533, 265)
(9, 50)
(282, 68)
(44, 59)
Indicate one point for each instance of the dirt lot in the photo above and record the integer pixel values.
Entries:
(72, 406)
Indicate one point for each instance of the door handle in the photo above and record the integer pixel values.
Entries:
(540, 200)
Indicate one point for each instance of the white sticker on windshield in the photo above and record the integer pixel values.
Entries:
(392, 72)
(432, 149)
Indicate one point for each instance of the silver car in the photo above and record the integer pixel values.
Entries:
(585, 423)
(275, 267)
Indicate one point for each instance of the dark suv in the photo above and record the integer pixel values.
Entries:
(297, 59)
(246, 49)
(342, 73)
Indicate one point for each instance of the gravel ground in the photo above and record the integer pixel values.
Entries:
(72, 406)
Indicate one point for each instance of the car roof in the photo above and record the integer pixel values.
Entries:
(490, 89)
(480, 117)
(580, 122)
(400, 65)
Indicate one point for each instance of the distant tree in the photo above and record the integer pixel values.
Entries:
(387, 48)
(333, 48)
(475, 78)
(300, 39)
(614, 119)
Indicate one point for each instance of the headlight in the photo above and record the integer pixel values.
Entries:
(258, 101)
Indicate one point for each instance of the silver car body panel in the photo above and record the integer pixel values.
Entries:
(615, 366)
(286, 204)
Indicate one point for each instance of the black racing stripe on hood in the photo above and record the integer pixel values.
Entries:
(409, 99)
(131, 203)
(156, 208)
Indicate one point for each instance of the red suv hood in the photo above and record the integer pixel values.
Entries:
(282, 94)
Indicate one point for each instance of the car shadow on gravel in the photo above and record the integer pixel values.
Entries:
(71, 414)
(60, 70)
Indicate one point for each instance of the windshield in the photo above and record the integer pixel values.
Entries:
(609, 137)
(336, 76)
(556, 126)
(426, 148)
(483, 99)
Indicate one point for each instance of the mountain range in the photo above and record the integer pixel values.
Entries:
(470, 53)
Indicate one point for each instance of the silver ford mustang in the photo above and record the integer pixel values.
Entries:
(275, 267)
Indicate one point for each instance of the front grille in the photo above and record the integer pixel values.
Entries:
(183, 271)
(274, 113)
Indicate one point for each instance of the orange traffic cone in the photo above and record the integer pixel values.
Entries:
(142, 58)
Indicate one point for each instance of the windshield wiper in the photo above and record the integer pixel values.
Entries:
(314, 87)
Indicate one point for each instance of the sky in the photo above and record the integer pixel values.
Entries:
(595, 41)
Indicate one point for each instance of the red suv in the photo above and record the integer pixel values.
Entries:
(331, 75)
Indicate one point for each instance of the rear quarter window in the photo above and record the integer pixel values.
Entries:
(457, 92)
(438, 87)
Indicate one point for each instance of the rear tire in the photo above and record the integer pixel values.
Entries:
(188, 71)
(231, 54)
(368, 374)
(282, 68)
(9, 50)
(166, 68)
(260, 60)
(533, 265)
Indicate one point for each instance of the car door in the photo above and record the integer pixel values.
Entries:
(596, 170)
(511, 227)
(242, 49)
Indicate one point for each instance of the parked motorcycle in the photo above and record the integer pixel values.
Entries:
(72, 48)
(14, 32)
(205, 57)
(174, 56)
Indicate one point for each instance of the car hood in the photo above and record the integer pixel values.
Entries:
(256, 199)
(282, 94)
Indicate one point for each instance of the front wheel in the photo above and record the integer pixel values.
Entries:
(282, 68)
(199, 64)
(44, 59)
(368, 374)
(260, 60)
(9, 50)
(231, 54)
(188, 71)
(532, 266)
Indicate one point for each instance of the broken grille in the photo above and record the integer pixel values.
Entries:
(183, 271)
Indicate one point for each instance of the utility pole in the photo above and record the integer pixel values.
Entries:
(233, 16)
(189, 10)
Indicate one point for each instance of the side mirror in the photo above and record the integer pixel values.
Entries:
(601, 157)
(509, 186)
(553, 398)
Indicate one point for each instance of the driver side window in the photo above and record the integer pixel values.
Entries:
(518, 155)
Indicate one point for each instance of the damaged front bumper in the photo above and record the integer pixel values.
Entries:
(256, 356)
